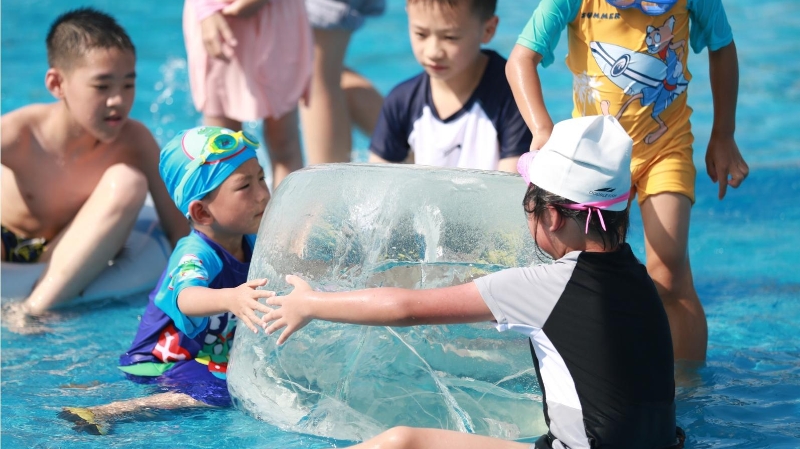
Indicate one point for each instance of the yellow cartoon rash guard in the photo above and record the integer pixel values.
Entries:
(631, 65)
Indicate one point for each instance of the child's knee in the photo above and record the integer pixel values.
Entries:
(398, 437)
(672, 274)
(126, 185)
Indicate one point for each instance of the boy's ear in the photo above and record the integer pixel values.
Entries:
(489, 28)
(200, 214)
(54, 81)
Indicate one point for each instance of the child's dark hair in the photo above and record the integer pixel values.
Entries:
(538, 199)
(484, 9)
(75, 32)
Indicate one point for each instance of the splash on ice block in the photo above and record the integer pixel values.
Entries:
(349, 226)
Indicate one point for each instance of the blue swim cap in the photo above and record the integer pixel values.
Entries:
(198, 160)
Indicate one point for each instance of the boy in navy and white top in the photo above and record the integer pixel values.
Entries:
(460, 111)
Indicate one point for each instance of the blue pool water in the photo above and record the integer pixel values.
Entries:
(746, 396)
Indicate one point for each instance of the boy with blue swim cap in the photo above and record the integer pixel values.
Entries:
(187, 329)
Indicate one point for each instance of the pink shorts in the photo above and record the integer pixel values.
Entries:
(270, 69)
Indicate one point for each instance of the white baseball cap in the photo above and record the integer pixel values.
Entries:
(586, 160)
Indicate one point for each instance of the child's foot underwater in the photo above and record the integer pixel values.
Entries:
(84, 420)
(17, 319)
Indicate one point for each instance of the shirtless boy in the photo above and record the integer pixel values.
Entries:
(75, 173)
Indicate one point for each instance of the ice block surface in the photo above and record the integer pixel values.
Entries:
(349, 226)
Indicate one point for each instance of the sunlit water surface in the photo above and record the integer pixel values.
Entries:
(742, 249)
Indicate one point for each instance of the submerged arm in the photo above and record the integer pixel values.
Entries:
(375, 307)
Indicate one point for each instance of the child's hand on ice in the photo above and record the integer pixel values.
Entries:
(244, 302)
(291, 312)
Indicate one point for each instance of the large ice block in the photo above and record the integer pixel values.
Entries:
(348, 226)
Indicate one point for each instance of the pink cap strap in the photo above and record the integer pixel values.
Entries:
(596, 205)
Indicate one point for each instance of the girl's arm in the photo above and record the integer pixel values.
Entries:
(242, 301)
(375, 307)
(243, 8)
(723, 158)
(523, 77)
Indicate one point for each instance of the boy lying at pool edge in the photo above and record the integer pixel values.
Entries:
(76, 172)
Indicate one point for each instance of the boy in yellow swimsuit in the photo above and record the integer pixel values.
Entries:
(629, 59)
(93, 165)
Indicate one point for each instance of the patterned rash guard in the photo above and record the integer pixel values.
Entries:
(636, 63)
(601, 346)
(166, 337)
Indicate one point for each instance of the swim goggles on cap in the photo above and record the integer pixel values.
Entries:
(649, 7)
(223, 145)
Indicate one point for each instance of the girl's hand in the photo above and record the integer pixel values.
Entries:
(539, 139)
(723, 159)
(217, 36)
(244, 302)
(292, 312)
(243, 8)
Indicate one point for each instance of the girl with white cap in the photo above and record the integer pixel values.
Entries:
(599, 335)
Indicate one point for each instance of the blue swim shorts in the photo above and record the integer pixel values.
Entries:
(342, 14)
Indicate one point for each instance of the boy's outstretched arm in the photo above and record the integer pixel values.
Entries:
(523, 77)
(242, 301)
(175, 225)
(375, 307)
(724, 162)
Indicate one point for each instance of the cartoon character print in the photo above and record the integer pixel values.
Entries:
(189, 267)
(217, 344)
(668, 84)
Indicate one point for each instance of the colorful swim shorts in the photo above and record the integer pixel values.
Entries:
(20, 249)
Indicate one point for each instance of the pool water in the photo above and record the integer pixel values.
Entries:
(746, 396)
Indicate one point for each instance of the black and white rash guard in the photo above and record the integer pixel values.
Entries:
(601, 346)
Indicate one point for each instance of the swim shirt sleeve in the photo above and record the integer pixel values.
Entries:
(544, 28)
(390, 137)
(192, 264)
(521, 299)
(513, 133)
(709, 25)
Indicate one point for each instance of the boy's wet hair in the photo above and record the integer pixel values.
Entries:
(76, 32)
(484, 9)
(538, 199)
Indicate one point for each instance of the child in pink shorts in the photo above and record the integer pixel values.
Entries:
(251, 60)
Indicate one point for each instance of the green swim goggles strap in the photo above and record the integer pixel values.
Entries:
(219, 145)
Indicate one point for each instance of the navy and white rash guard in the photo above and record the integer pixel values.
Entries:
(486, 129)
(601, 346)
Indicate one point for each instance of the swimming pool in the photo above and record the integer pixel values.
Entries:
(746, 396)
